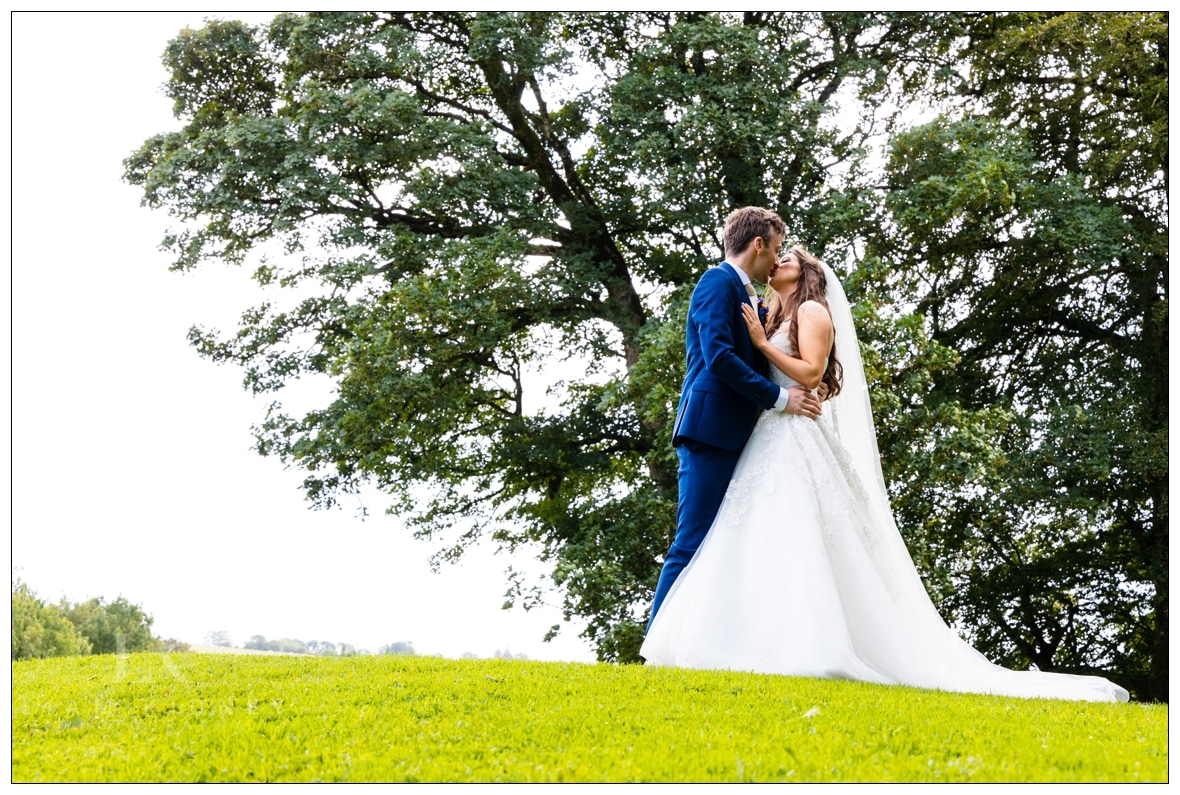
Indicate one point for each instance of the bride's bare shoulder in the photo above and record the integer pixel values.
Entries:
(815, 311)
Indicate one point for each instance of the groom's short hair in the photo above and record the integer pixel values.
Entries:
(747, 223)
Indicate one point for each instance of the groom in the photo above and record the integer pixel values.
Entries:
(726, 386)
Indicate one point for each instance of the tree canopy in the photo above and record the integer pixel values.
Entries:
(1029, 230)
(490, 224)
(117, 627)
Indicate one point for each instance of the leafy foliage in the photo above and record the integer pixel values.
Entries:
(40, 629)
(117, 627)
(1029, 229)
(491, 224)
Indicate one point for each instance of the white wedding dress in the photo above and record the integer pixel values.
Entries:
(804, 573)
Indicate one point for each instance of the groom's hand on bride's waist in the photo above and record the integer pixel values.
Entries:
(802, 401)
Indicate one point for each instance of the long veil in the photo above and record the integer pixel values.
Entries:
(851, 415)
(960, 667)
(851, 411)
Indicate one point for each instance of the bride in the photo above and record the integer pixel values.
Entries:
(803, 571)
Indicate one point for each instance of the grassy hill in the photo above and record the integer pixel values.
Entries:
(233, 718)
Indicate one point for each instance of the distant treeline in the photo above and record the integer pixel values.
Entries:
(323, 648)
(95, 626)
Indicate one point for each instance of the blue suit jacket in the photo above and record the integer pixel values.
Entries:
(725, 387)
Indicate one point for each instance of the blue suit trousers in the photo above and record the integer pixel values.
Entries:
(704, 477)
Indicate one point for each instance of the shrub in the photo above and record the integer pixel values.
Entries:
(40, 629)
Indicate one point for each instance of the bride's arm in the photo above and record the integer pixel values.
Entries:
(815, 342)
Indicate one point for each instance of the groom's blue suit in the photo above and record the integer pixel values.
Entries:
(724, 390)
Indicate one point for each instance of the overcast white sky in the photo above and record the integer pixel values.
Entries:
(132, 468)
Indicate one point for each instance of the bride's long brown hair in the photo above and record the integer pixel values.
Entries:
(812, 286)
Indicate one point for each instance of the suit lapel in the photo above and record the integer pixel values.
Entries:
(739, 285)
(741, 289)
(746, 350)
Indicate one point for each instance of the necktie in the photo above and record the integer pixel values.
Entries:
(753, 295)
(759, 307)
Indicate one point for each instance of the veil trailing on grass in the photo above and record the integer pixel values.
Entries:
(851, 415)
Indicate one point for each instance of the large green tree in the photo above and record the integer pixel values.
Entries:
(475, 208)
(1029, 228)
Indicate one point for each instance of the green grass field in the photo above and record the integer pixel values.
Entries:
(233, 718)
